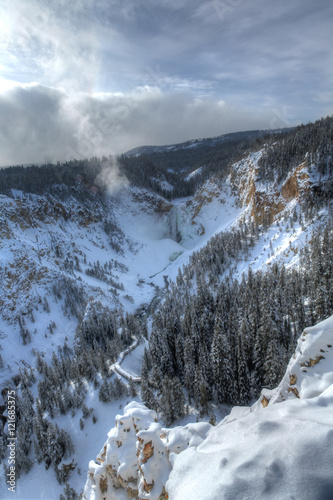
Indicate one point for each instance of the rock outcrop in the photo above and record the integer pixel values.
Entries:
(280, 447)
(267, 200)
(136, 460)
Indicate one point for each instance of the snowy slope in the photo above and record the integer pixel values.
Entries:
(277, 451)
(156, 238)
(280, 448)
(221, 205)
(38, 236)
(45, 242)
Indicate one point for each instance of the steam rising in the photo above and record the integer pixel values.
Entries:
(111, 178)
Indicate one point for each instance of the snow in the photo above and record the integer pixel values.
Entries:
(132, 362)
(29, 247)
(163, 184)
(194, 173)
(284, 450)
(119, 452)
(43, 485)
(151, 255)
(180, 438)
(156, 469)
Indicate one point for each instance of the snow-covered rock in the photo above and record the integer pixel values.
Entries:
(116, 467)
(136, 460)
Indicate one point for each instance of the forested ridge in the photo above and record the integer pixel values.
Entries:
(284, 150)
(224, 339)
(313, 141)
(150, 171)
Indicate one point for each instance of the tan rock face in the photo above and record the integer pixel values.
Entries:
(102, 456)
(103, 484)
(144, 451)
(267, 205)
(294, 390)
(312, 362)
(132, 493)
(264, 401)
(148, 451)
(296, 183)
(148, 487)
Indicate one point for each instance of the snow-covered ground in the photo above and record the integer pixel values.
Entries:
(280, 448)
(150, 257)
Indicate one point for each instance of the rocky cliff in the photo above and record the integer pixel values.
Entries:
(266, 200)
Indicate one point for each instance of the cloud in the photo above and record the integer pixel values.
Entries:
(33, 127)
(233, 50)
(51, 41)
(114, 75)
(110, 45)
(41, 124)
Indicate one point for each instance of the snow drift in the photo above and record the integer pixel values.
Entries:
(280, 448)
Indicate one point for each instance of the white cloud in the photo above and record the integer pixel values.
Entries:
(148, 72)
(50, 41)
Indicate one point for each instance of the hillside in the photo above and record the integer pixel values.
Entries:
(189, 303)
(280, 447)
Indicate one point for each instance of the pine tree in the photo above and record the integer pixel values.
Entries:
(172, 400)
(273, 366)
(222, 362)
(119, 389)
(132, 389)
(243, 375)
(104, 394)
(147, 395)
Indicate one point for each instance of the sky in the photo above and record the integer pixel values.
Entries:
(99, 77)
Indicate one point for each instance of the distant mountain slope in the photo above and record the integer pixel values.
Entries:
(199, 144)
(175, 164)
